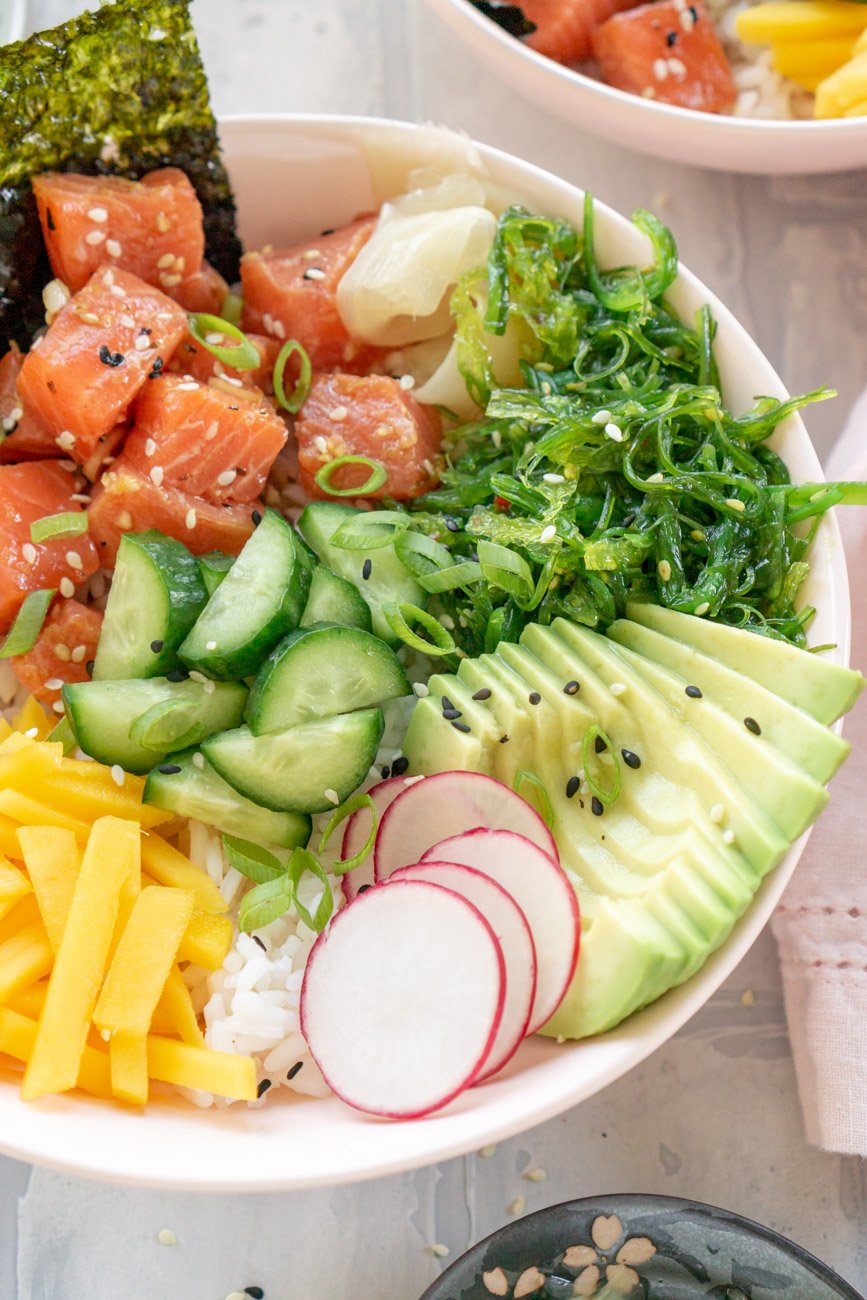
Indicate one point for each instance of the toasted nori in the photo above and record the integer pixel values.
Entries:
(121, 91)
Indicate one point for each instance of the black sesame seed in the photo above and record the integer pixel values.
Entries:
(169, 769)
(504, 740)
(256, 939)
(670, 39)
(109, 358)
(571, 688)
(451, 714)
(446, 703)
(596, 807)
(49, 220)
(177, 675)
(328, 231)
(630, 759)
(572, 786)
(694, 12)
(146, 330)
(385, 772)
(296, 1068)
(460, 726)
(366, 569)
(256, 517)
(581, 802)
(753, 726)
(600, 745)
(157, 368)
(694, 692)
(483, 694)
(256, 1292)
(264, 1085)
(157, 646)
(363, 889)
(534, 697)
(91, 663)
(452, 524)
(399, 766)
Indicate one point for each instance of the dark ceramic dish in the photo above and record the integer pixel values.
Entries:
(644, 1247)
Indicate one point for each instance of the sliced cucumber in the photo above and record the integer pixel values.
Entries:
(300, 769)
(156, 595)
(334, 600)
(320, 671)
(260, 599)
(102, 715)
(201, 793)
(213, 567)
(387, 578)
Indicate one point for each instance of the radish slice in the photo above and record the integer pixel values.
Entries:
(513, 934)
(542, 890)
(448, 804)
(358, 828)
(402, 998)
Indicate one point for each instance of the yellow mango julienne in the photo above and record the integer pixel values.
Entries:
(26, 811)
(845, 88)
(29, 765)
(857, 110)
(185, 1066)
(14, 885)
(168, 866)
(808, 62)
(128, 1060)
(25, 912)
(175, 1007)
(94, 793)
(800, 20)
(53, 861)
(17, 1038)
(9, 838)
(24, 958)
(79, 967)
(33, 718)
(207, 939)
(145, 955)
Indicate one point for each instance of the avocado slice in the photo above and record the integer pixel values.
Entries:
(826, 690)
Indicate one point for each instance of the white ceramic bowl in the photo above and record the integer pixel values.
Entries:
(294, 176)
(682, 135)
(11, 20)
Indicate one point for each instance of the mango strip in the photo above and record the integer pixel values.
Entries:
(127, 1054)
(198, 1067)
(32, 715)
(844, 89)
(169, 866)
(176, 1007)
(206, 941)
(29, 766)
(24, 959)
(18, 1035)
(53, 860)
(9, 838)
(90, 796)
(61, 1035)
(30, 812)
(143, 960)
(14, 885)
(29, 1001)
(5, 730)
(806, 20)
(25, 912)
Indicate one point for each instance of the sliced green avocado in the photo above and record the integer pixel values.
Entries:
(788, 728)
(826, 690)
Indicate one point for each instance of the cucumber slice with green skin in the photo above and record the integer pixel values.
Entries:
(387, 578)
(102, 715)
(320, 671)
(156, 595)
(292, 770)
(213, 567)
(334, 600)
(201, 793)
(260, 599)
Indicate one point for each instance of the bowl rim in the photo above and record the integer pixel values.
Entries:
(819, 128)
(608, 1203)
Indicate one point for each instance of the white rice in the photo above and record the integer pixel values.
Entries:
(762, 91)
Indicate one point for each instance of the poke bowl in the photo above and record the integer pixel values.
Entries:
(297, 177)
(773, 133)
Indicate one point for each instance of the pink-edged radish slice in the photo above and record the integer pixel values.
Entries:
(541, 888)
(358, 828)
(402, 998)
(448, 804)
(513, 934)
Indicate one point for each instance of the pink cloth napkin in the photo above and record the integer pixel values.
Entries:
(821, 923)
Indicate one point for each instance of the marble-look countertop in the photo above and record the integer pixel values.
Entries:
(713, 1114)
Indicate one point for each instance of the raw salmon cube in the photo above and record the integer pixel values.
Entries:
(194, 360)
(204, 290)
(208, 442)
(373, 416)
(84, 374)
(564, 27)
(667, 51)
(292, 294)
(62, 652)
(151, 228)
(28, 492)
(23, 436)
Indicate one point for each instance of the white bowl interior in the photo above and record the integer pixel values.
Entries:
(679, 134)
(293, 177)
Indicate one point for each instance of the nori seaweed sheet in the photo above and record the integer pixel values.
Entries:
(121, 91)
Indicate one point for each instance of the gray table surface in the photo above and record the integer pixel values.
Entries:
(713, 1114)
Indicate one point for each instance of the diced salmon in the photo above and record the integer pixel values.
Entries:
(127, 499)
(81, 378)
(28, 492)
(62, 652)
(211, 443)
(24, 436)
(292, 294)
(666, 51)
(151, 228)
(193, 359)
(204, 290)
(373, 416)
(564, 27)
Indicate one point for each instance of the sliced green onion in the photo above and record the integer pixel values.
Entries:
(399, 614)
(588, 747)
(369, 530)
(540, 799)
(265, 903)
(324, 475)
(350, 806)
(252, 860)
(244, 356)
(421, 555)
(506, 569)
(232, 307)
(299, 864)
(28, 624)
(456, 575)
(164, 726)
(70, 523)
(293, 403)
(63, 735)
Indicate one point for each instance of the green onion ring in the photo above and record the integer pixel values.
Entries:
(370, 530)
(588, 753)
(244, 356)
(349, 807)
(265, 903)
(540, 792)
(254, 862)
(324, 474)
(299, 864)
(28, 624)
(70, 523)
(294, 403)
(398, 615)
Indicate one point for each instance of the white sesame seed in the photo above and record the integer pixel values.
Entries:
(407, 382)
(150, 447)
(215, 338)
(212, 430)
(8, 424)
(516, 1206)
(166, 1237)
(117, 290)
(601, 417)
(53, 683)
(209, 687)
(268, 322)
(98, 214)
(199, 761)
(488, 1151)
(78, 653)
(617, 688)
(124, 519)
(117, 774)
(65, 440)
(228, 476)
(649, 92)
(331, 795)
(664, 570)
(191, 519)
(90, 317)
(656, 478)
(702, 608)
(164, 262)
(677, 68)
(237, 1295)
(95, 237)
(162, 223)
(534, 1175)
(660, 69)
(196, 676)
(128, 322)
(734, 504)
(717, 813)
(31, 733)
(29, 552)
(188, 387)
(421, 689)
(113, 248)
(169, 281)
(728, 837)
(73, 559)
(687, 20)
(497, 438)
(108, 277)
(58, 708)
(210, 645)
(314, 273)
(230, 379)
(553, 478)
(180, 263)
(157, 474)
(62, 652)
(338, 413)
(279, 329)
(311, 254)
(614, 432)
(548, 534)
(446, 621)
(438, 1250)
